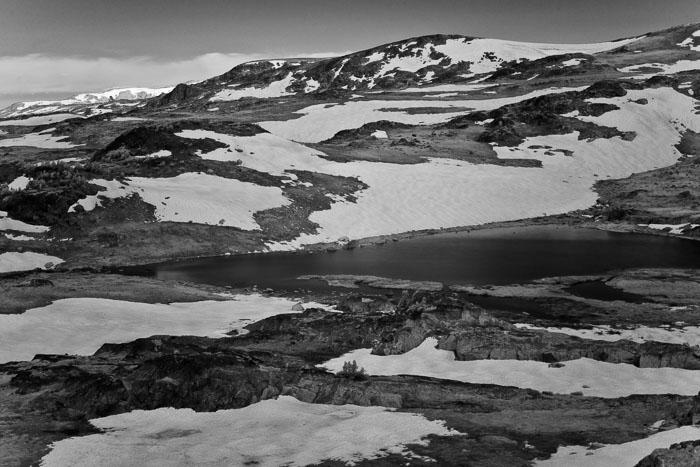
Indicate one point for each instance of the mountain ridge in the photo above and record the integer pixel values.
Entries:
(415, 61)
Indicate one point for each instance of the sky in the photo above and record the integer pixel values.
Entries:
(56, 48)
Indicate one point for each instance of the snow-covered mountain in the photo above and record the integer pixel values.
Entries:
(416, 61)
(80, 103)
(433, 60)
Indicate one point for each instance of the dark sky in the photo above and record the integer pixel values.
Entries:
(166, 31)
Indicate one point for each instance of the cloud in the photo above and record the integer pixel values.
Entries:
(45, 74)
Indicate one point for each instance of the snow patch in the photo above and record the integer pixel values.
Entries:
(270, 433)
(604, 379)
(39, 140)
(274, 89)
(79, 326)
(263, 152)
(676, 229)
(19, 183)
(619, 455)
(26, 261)
(129, 119)
(311, 85)
(195, 197)
(7, 223)
(380, 134)
(690, 42)
(161, 153)
(573, 62)
(19, 238)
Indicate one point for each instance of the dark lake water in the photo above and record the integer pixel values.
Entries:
(492, 256)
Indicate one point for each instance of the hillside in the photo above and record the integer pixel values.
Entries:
(287, 154)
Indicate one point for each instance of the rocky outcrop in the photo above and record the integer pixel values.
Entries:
(479, 343)
(278, 357)
(148, 139)
(544, 115)
(179, 93)
(685, 454)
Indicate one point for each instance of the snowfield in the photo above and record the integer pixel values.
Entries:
(321, 121)
(270, 433)
(81, 325)
(603, 379)
(263, 152)
(196, 197)
(477, 51)
(618, 455)
(26, 261)
(449, 193)
(483, 55)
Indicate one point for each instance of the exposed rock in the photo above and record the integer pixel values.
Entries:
(685, 454)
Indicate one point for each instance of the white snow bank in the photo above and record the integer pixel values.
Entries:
(603, 379)
(443, 94)
(38, 140)
(270, 433)
(26, 261)
(7, 223)
(196, 197)
(81, 325)
(380, 134)
(128, 119)
(39, 120)
(274, 89)
(573, 62)
(19, 183)
(689, 335)
(263, 152)
(161, 153)
(619, 455)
